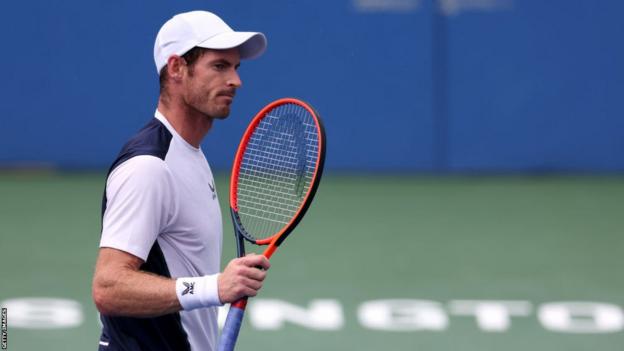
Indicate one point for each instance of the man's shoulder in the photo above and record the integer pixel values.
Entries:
(153, 139)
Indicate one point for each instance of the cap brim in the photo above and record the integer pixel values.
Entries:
(250, 44)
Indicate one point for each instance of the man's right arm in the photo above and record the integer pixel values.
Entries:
(121, 288)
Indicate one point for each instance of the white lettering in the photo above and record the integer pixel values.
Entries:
(269, 314)
(576, 317)
(402, 315)
(492, 316)
(386, 5)
(43, 313)
(581, 317)
(455, 7)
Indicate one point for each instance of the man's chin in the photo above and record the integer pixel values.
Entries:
(222, 114)
(219, 112)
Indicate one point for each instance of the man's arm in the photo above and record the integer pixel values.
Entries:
(120, 288)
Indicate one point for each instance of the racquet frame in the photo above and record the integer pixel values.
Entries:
(236, 312)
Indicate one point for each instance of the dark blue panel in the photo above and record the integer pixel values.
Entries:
(504, 85)
(537, 86)
(82, 78)
(368, 75)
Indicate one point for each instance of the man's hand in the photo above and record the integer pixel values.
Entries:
(242, 277)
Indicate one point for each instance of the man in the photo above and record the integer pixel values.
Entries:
(157, 283)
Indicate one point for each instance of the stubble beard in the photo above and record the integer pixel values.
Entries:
(209, 106)
(222, 112)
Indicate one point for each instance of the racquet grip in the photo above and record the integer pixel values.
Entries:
(232, 327)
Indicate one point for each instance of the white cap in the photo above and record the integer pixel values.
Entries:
(204, 29)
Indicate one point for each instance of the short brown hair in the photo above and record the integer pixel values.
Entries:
(190, 57)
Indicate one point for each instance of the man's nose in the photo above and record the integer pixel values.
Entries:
(234, 80)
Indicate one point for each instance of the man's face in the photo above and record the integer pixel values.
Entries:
(211, 83)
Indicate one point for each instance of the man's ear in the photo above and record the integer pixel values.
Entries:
(176, 67)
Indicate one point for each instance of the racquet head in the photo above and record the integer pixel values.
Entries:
(276, 171)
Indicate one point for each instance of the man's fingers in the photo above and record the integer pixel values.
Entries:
(253, 273)
(246, 287)
(243, 277)
(253, 260)
(253, 284)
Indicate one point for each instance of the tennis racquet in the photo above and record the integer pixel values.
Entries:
(276, 172)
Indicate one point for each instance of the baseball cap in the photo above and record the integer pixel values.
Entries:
(204, 29)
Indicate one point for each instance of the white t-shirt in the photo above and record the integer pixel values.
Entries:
(171, 201)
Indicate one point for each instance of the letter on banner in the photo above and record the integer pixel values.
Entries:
(402, 315)
(492, 316)
(581, 317)
(43, 313)
(268, 314)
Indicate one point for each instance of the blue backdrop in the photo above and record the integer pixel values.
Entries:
(416, 85)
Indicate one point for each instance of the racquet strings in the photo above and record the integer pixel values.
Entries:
(277, 170)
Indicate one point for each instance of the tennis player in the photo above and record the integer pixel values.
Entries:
(157, 280)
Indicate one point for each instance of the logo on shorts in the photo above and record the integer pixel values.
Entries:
(189, 288)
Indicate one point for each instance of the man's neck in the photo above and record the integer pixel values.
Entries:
(189, 123)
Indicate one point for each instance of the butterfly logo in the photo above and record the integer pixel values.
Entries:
(190, 287)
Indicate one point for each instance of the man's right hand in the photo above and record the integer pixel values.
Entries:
(242, 277)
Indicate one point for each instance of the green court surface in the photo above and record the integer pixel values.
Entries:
(379, 263)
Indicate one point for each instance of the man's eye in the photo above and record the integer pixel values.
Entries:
(219, 67)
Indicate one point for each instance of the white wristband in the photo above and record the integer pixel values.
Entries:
(196, 292)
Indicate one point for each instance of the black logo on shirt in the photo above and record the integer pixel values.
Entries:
(189, 288)
(212, 188)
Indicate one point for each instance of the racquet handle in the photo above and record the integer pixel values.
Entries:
(232, 326)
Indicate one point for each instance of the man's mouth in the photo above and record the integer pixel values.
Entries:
(229, 94)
